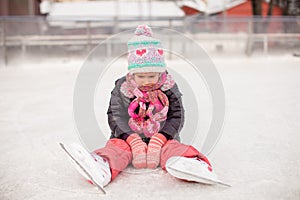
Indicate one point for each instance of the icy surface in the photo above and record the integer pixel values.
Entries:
(258, 153)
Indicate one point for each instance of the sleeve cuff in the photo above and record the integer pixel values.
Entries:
(168, 137)
(124, 136)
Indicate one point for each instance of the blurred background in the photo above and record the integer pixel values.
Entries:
(254, 44)
(60, 28)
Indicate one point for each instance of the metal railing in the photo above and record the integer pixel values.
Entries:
(214, 33)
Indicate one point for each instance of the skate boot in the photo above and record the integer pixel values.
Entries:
(93, 167)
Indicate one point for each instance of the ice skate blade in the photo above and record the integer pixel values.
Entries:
(207, 181)
(78, 164)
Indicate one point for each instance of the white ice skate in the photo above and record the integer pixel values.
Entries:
(93, 167)
(192, 169)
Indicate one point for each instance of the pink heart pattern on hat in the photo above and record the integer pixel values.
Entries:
(160, 51)
(140, 52)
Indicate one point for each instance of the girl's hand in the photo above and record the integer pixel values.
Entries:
(138, 149)
(154, 149)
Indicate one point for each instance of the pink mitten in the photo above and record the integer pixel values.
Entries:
(154, 149)
(138, 149)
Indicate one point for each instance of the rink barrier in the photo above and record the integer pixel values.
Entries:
(216, 33)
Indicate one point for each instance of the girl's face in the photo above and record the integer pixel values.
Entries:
(146, 79)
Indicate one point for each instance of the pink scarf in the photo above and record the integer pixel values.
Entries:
(147, 118)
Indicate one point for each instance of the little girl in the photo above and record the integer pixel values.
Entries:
(145, 116)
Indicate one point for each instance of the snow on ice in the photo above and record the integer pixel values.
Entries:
(258, 153)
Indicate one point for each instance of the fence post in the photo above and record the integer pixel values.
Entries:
(116, 25)
(265, 43)
(250, 38)
(4, 41)
(88, 32)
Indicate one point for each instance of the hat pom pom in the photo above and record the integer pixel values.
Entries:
(143, 30)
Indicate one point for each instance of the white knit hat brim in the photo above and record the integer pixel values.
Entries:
(147, 69)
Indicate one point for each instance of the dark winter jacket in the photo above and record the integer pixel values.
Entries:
(118, 113)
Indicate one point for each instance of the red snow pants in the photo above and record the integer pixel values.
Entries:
(119, 155)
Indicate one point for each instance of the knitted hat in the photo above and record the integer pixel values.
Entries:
(145, 53)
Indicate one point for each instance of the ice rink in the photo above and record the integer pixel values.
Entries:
(258, 152)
